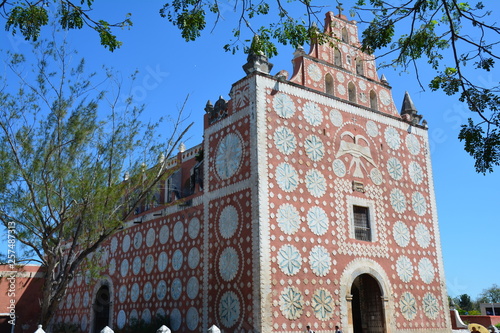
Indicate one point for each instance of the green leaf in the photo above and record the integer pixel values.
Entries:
(28, 20)
(108, 40)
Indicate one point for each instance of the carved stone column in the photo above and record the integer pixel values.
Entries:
(385, 303)
(350, 324)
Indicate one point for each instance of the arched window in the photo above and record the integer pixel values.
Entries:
(359, 67)
(345, 36)
(352, 92)
(329, 84)
(337, 57)
(373, 100)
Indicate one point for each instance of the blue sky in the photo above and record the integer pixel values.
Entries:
(170, 69)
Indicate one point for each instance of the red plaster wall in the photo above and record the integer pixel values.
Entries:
(26, 294)
(486, 321)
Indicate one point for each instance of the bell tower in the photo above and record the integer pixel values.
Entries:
(344, 222)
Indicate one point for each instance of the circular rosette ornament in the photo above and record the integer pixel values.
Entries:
(283, 106)
(284, 140)
(322, 304)
(315, 183)
(319, 260)
(229, 309)
(289, 259)
(291, 303)
(288, 218)
(401, 234)
(314, 148)
(431, 306)
(408, 306)
(287, 177)
(312, 114)
(228, 156)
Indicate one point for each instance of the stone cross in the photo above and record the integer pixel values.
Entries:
(339, 7)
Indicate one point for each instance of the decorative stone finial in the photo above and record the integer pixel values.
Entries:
(299, 52)
(383, 79)
(257, 61)
(409, 111)
(182, 147)
(217, 111)
(220, 107)
(282, 75)
(209, 107)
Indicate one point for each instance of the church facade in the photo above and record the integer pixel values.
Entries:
(310, 202)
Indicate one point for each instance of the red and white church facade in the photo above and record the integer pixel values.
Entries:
(310, 202)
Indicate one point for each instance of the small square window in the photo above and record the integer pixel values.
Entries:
(361, 217)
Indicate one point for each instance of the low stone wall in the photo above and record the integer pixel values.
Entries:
(486, 321)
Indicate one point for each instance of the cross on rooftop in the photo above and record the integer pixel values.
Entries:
(339, 7)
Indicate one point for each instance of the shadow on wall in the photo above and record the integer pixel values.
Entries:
(20, 289)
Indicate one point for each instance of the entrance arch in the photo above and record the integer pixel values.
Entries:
(101, 308)
(360, 277)
(367, 305)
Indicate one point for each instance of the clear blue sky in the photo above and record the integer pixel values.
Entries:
(170, 69)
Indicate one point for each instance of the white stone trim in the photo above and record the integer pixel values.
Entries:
(437, 238)
(22, 274)
(103, 281)
(206, 240)
(383, 118)
(264, 246)
(356, 268)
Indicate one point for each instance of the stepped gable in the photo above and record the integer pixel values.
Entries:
(340, 69)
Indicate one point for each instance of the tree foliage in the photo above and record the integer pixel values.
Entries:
(451, 36)
(447, 34)
(454, 39)
(464, 303)
(66, 140)
(490, 295)
(28, 17)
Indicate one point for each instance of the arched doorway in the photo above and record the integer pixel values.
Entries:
(101, 307)
(367, 305)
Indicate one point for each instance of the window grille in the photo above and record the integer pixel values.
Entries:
(362, 230)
